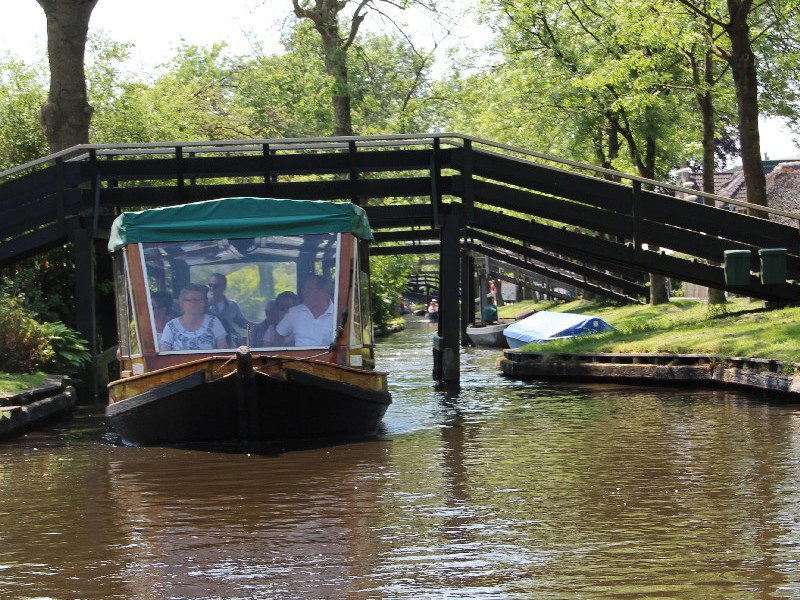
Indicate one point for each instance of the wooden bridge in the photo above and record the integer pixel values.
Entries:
(448, 194)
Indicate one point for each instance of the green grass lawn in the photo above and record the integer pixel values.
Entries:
(745, 329)
(13, 383)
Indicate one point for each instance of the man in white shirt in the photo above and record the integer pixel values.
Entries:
(311, 323)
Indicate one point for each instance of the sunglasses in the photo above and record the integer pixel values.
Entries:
(215, 285)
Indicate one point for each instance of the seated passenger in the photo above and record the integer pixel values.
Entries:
(226, 309)
(162, 312)
(194, 329)
(264, 334)
(311, 323)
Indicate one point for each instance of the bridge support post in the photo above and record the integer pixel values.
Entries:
(85, 310)
(467, 295)
(446, 346)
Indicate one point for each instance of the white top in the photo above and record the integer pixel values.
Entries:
(203, 338)
(307, 330)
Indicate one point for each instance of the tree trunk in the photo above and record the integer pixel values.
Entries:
(706, 102)
(336, 66)
(659, 291)
(743, 69)
(324, 14)
(66, 115)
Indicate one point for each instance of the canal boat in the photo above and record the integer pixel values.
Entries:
(488, 335)
(257, 370)
(544, 326)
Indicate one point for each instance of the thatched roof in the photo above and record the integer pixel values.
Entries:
(783, 190)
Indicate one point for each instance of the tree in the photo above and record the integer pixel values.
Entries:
(67, 113)
(338, 23)
(743, 22)
(324, 14)
(603, 67)
(389, 281)
(22, 91)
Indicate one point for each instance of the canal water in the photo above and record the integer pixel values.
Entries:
(501, 489)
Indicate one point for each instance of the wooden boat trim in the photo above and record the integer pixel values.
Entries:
(380, 397)
(157, 393)
(216, 367)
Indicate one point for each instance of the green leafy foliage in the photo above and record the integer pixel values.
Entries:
(24, 346)
(69, 349)
(389, 279)
(22, 93)
(27, 345)
(46, 282)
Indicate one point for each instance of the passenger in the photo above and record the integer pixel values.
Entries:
(194, 329)
(433, 307)
(311, 323)
(264, 334)
(225, 309)
(489, 313)
(162, 312)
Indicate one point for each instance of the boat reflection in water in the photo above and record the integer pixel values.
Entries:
(220, 525)
(305, 373)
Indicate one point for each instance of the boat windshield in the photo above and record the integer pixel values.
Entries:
(275, 292)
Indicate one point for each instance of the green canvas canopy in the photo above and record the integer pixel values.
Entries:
(232, 218)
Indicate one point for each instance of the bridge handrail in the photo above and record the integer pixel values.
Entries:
(624, 175)
(82, 151)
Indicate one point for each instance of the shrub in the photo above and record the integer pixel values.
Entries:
(69, 350)
(24, 346)
(27, 345)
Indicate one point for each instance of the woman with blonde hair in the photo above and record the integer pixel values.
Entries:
(194, 329)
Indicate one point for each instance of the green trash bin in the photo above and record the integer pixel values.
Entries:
(737, 267)
(773, 265)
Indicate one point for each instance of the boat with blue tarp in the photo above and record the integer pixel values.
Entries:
(544, 326)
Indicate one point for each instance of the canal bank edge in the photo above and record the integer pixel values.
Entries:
(19, 412)
(764, 374)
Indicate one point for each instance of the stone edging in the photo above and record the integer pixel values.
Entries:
(708, 369)
(20, 411)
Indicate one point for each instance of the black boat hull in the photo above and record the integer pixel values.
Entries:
(263, 408)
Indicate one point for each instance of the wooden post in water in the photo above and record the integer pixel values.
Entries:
(446, 345)
(85, 305)
(467, 294)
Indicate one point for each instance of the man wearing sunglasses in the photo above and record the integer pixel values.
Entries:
(225, 309)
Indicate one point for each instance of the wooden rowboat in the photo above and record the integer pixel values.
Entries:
(488, 335)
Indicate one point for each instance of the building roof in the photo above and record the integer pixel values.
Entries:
(783, 190)
(783, 184)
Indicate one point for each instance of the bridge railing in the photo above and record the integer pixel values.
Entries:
(600, 216)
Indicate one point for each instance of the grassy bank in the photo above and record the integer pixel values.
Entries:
(13, 383)
(681, 327)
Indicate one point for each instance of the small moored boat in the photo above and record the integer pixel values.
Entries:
(288, 352)
(488, 335)
(545, 326)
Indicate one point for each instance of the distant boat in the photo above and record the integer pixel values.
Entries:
(488, 335)
(545, 326)
(319, 386)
